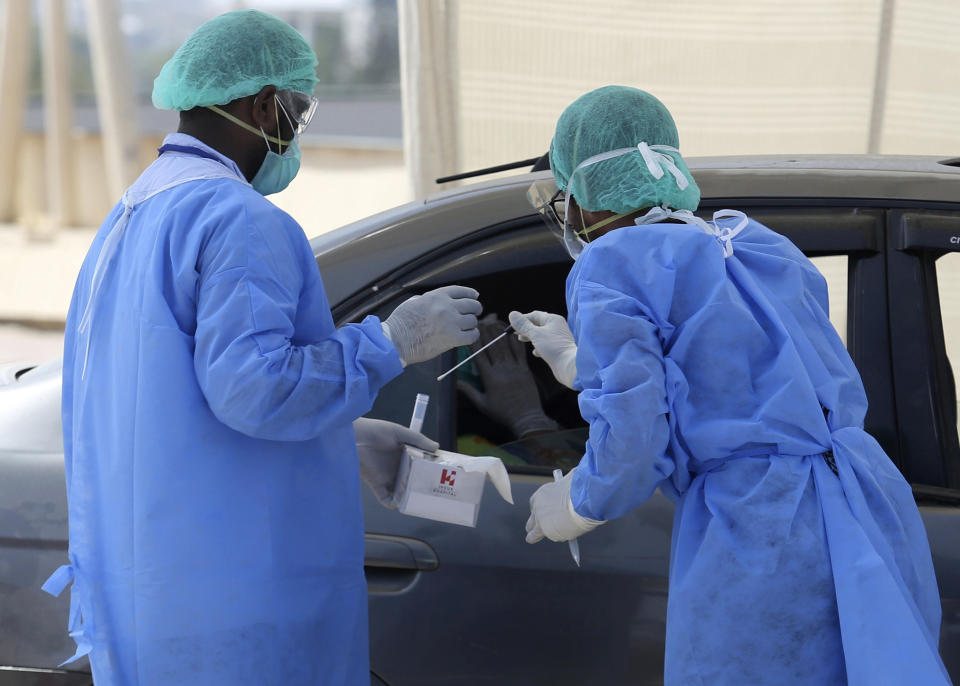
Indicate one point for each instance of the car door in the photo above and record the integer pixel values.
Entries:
(453, 604)
(479, 605)
(924, 291)
(33, 533)
(900, 329)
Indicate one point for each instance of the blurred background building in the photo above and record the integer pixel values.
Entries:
(357, 129)
(415, 89)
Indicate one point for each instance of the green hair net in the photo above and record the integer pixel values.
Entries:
(233, 56)
(608, 119)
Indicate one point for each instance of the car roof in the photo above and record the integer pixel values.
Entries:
(358, 254)
(876, 177)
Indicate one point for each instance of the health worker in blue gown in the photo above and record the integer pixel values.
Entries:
(210, 407)
(707, 367)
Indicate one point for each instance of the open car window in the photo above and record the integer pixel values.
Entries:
(490, 427)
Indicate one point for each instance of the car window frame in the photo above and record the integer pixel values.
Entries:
(917, 237)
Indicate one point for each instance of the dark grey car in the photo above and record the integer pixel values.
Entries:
(451, 604)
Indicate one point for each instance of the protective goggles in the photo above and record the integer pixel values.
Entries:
(298, 119)
(554, 205)
(550, 204)
(299, 108)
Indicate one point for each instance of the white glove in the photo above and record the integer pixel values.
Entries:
(510, 393)
(426, 325)
(552, 341)
(552, 514)
(379, 447)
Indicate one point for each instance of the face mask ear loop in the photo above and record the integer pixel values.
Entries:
(262, 132)
(276, 113)
(587, 230)
(244, 125)
(293, 127)
(265, 139)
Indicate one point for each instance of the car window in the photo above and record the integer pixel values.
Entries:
(921, 272)
(948, 286)
(834, 270)
(530, 421)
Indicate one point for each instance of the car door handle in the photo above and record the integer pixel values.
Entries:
(392, 564)
(399, 552)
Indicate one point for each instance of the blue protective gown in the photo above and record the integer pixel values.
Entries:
(216, 531)
(722, 382)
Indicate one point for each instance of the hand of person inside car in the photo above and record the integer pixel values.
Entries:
(510, 393)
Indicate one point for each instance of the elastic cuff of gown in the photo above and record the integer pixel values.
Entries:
(377, 330)
(385, 328)
(587, 522)
(584, 522)
(579, 491)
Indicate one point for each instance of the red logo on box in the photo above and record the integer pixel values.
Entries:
(447, 477)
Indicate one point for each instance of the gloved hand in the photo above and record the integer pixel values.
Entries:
(510, 392)
(426, 325)
(379, 447)
(552, 514)
(552, 341)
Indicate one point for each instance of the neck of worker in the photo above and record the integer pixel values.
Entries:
(240, 146)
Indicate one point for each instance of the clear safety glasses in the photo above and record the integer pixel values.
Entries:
(550, 204)
(553, 206)
(299, 107)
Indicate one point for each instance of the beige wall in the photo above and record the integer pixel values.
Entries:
(739, 76)
(923, 104)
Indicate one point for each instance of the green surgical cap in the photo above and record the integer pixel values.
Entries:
(608, 119)
(233, 56)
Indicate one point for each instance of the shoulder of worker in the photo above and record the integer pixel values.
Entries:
(231, 202)
(642, 254)
(759, 239)
(239, 227)
(633, 262)
(755, 232)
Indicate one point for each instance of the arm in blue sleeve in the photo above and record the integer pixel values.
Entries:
(621, 369)
(817, 285)
(255, 379)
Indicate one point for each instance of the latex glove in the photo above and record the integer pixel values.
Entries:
(552, 341)
(426, 325)
(510, 393)
(379, 447)
(552, 514)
